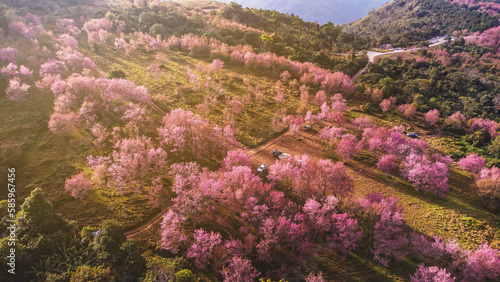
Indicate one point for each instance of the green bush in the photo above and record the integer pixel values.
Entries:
(87, 273)
(114, 73)
(185, 275)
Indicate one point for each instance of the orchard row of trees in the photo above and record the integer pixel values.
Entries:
(196, 45)
(263, 31)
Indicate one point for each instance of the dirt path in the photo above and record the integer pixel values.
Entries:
(359, 72)
(305, 142)
(294, 144)
(146, 226)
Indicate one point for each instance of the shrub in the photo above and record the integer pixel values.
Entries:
(114, 73)
(185, 275)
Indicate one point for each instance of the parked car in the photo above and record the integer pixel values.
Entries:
(262, 168)
(277, 153)
(283, 156)
(307, 127)
(412, 135)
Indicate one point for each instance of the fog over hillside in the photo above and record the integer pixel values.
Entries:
(323, 11)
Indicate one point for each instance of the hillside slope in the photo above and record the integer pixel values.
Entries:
(153, 117)
(418, 20)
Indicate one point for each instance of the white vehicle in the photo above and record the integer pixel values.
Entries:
(262, 168)
(283, 156)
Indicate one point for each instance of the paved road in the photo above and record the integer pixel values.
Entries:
(372, 54)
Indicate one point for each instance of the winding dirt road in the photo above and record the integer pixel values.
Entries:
(293, 144)
(146, 226)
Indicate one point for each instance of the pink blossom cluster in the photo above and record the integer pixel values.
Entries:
(489, 38)
(388, 163)
(19, 72)
(488, 7)
(8, 54)
(339, 104)
(16, 90)
(135, 165)
(307, 177)
(443, 56)
(348, 146)
(29, 31)
(97, 30)
(432, 117)
(330, 82)
(452, 261)
(203, 246)
(431, 273)
(387, 104)
(33, 18)
(456, 120)
(390, 235)
(75, 60)
(239, 270)
(78, 185)
(67, 26)
(332, 133)
(285, 76)
(472, 163)
(53, 67)
(408, 110)
(185, 131)
(392, 238)
(488, 184)
(236, 105)
(485, 125)
(388, 141)
(219, 23)
(68, 41)
(426, 175)
(363, 122)
(82, 101)
(268, 220)
(215, 66)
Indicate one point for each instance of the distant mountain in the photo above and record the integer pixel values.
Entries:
(418, 20)
(322, 11)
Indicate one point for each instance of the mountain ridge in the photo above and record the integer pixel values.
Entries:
(419, 20)
(337, 11)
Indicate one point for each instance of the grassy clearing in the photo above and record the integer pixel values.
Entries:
(44, 160)
(459, 215)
